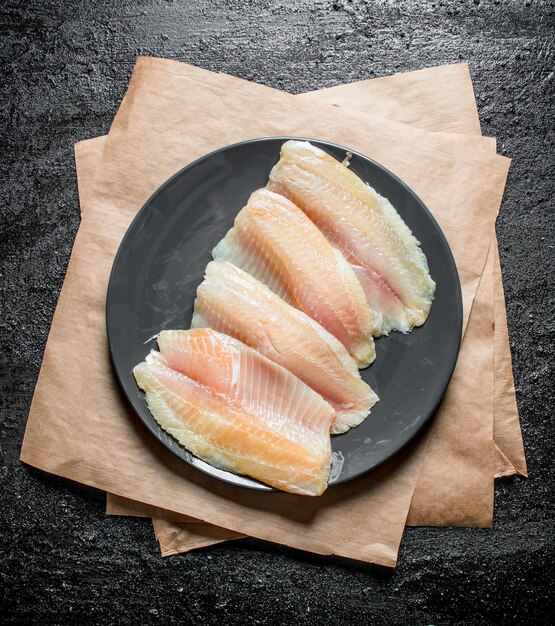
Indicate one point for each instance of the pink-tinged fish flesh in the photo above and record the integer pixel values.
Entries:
(365, 227)
(274, 241)
(233, 302)
(231, 406)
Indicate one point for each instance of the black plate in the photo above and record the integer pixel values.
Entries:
(161, 262)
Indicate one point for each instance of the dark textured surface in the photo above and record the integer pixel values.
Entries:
(65, 67)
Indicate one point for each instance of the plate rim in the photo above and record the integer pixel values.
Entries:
(153, 427)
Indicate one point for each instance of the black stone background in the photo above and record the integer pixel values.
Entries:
(65, 68)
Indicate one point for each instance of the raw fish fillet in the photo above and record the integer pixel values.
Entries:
(237, 410)
(233, 302)
(365, 227)
(274, 241)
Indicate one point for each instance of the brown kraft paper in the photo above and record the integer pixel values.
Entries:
(71, 439)
(441, 99)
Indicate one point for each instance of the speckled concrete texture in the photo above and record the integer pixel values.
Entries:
(65, 67)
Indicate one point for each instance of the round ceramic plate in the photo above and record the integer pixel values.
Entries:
(161, 262)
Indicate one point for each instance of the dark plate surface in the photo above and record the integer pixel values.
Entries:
(161, 262)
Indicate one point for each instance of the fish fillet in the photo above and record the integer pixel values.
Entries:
(274, 241)
(233, 302)
(365, 227)
(237, 410)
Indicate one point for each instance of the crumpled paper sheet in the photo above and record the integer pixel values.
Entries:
(175, 538)
(93, 437)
